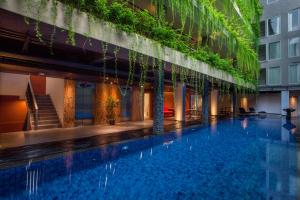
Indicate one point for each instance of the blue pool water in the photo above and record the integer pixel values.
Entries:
(232, 159)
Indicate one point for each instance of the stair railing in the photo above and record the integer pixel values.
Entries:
(32, 103)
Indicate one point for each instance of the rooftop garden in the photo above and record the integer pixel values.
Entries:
(207, 28)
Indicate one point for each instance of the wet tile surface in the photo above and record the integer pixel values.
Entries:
(20, 154)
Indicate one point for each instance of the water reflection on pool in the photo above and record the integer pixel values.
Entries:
(247, 158)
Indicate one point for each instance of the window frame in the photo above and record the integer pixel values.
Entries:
(266, 50)
(289, 51)
(298, 73)
(279, 21)
(266, 80)
(265, 28)
(290, 28)
(268, 76)
(280, 51)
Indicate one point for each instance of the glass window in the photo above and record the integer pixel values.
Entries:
(274, 76)
(84, 102)
(294, 47)
(294, 74)
(262, 28)
(262, 52)
(274, 50)
(274, 26)
(262, 77)
(294, 20)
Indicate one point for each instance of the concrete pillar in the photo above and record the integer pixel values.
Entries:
(205, 102)
(285, 99)
(180, 94)
(234, 101)
(158, 104)
(214, 102)
(137, 108)
(69, 103)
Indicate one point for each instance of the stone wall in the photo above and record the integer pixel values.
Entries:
(158, 115)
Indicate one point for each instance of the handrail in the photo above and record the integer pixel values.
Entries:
(33, 96)
(34, 106)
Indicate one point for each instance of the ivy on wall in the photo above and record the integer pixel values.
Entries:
(197, 20)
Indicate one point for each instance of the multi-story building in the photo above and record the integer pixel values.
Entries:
(279, 54)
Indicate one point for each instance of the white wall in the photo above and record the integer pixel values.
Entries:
(269, 102)
(13, 84)
(55, 88)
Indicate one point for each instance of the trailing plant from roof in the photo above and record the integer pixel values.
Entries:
(209, 20)
(68, 20)
(88, 33)
(144, 62)
(116, 52)
(53, 21)
(104, 47)
(132, 58)
(28, 5)
(40, 9)
(174, 80)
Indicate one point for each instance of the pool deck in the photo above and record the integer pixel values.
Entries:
(25, 138)
(18, 147)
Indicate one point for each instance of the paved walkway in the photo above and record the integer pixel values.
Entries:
(23, 138)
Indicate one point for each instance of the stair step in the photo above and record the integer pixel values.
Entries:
(47, 116)
(46, 111)
(44, 103)
(48, 126)
(46, 108)
(44, 122)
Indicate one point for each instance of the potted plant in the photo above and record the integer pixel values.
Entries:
(111, 104)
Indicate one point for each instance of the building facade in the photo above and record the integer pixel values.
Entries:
(279, 55)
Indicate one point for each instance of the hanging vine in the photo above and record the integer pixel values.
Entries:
(174, 79)
(104, 47)
(69, 23)
(200, 20)
(40, 10)
(144, 62)
(53, 20)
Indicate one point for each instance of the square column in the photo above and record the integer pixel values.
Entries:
(180, 94)
(158, 104)
(205, 102)
(285, 99)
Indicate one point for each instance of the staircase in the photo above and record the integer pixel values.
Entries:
(47, 116)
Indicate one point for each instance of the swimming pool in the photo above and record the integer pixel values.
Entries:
(247, 158)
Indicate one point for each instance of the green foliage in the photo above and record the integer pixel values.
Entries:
(123, 16)
(200, 17)
(111, 104)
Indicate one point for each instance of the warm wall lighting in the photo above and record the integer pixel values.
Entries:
(293, 102)
(214, 102)
(244, 103)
